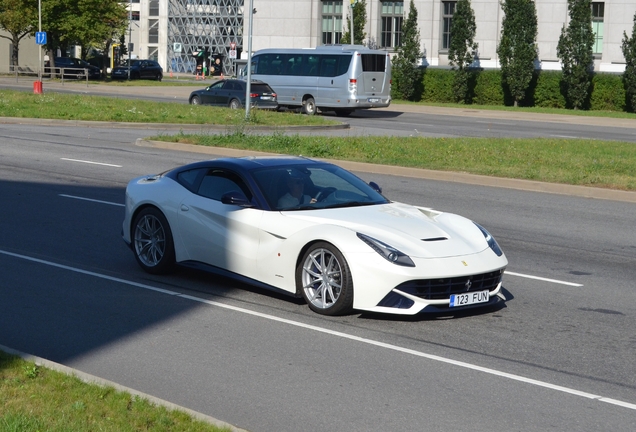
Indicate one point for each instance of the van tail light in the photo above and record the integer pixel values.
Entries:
(353, 85)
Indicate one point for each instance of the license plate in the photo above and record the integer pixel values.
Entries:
(469, 298)
(266, 97)
(373, 100)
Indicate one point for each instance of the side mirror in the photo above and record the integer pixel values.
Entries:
(236, 198)
(375, 187)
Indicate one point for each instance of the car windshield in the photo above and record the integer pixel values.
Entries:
(314, 187)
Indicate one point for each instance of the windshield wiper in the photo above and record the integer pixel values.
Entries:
(350, 204)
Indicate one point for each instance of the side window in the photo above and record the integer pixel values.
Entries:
(189, 179)
(217, 183)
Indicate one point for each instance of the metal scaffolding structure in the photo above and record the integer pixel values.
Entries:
(196, 25)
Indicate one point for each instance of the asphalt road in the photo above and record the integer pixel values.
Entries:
(558, 355)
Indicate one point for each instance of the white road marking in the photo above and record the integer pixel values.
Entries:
(90, 162)
(92, 200)
(556, 281)
(470, 366)
(564, 136)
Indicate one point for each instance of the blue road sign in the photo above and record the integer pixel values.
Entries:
(40, 38)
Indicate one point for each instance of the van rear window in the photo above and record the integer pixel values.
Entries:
(373, 62)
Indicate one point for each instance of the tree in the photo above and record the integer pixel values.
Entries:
(629, 76)
(359, 22)
(19, 18)
(575, 51)
(406, 75)
(462, 47)
(518, 50)
(82, 22)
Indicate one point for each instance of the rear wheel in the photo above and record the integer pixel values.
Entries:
(324, 279)
(309, 106)
(152, 241)
(235, 104)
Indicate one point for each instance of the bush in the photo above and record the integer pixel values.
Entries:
(438, 85)
(608, 93)
(488, 89)
(547, 93)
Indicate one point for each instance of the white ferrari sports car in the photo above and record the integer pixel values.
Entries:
(314, 230)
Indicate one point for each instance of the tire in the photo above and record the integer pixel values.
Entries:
(159, 77)
(234, 104)
(195, 100)
(309, 106)
(327, 288)
(152, 241)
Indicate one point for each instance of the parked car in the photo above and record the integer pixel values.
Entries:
(139, 69)
(231, 93)
(312, 230)
(74, 68)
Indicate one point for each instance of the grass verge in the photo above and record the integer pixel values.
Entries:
(100, 108)
(33, 398)
(606, 164)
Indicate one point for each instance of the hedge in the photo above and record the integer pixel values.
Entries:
(607, 92)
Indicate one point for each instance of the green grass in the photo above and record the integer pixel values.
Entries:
(33, 398)
(62, 106)
(606, 164)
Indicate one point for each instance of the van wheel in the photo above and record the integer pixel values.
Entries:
(309, 106)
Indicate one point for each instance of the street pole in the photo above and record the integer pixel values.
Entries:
(40, 48)
(129, 35)
(248, 84)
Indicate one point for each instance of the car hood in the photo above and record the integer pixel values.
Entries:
(416, 231)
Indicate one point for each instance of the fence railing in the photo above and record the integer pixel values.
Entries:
(63, 73)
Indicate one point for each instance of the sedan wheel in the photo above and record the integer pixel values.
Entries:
(195, 100)
(235, 104)
(152, 241)
(324, 279)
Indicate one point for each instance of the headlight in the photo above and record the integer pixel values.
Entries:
(387, 252)
(490, 239)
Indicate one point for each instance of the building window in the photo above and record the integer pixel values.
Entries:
(331, 22)
(447, 19)
(598, 13)
(153, 54)
(153, 31)
(392, 16)
(134, 16)
(153, 8)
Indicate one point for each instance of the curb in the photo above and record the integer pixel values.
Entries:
(165, 126)
(91, 379)
(473, 179)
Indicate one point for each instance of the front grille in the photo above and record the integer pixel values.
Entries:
(440, 289)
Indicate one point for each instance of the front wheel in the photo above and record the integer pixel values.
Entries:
(309, 106)
(324, 279)
(152, 241)
(196, 100)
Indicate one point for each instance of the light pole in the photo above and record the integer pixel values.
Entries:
(248, 85)
(40, 48)
(129, 35)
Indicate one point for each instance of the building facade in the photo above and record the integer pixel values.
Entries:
(174, 31)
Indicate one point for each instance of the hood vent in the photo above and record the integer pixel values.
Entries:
(432, 239)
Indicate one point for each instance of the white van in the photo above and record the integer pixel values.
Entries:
(340, 78)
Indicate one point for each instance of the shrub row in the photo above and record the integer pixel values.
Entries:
(545, 90)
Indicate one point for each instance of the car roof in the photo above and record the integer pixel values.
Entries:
(249, 163)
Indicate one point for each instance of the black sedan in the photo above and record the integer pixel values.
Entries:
(139, 69)
(72, 67)
(231, 93)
